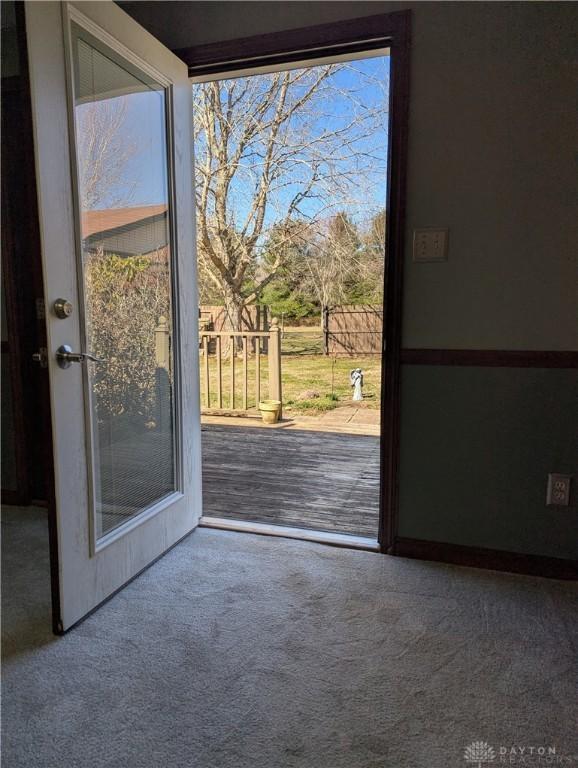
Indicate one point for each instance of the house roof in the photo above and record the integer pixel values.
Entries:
(105, 220)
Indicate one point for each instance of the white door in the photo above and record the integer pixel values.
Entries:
(113, 141)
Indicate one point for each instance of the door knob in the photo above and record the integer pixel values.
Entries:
(65, 357)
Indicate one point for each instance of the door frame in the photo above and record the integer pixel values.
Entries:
(391, 30)
(28, 318)
(22, 283)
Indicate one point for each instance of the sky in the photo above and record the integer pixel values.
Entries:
(146, 171)
(361, 86)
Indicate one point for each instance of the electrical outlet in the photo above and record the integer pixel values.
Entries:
(430, 244)
(558, 493)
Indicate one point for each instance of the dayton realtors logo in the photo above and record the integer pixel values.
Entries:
(479, 753)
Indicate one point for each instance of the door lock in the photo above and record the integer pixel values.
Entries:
(65, 357)
(62, 308)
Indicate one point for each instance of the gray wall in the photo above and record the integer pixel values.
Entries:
(492, 150)
(477, 445)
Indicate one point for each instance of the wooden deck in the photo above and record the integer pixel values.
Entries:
(315, 480)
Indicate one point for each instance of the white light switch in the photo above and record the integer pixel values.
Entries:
(430, 244)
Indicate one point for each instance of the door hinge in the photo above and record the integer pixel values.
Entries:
(41, 357)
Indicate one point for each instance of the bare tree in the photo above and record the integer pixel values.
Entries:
(104, 151)
(372, 265)
(332, 261)
(270, 152)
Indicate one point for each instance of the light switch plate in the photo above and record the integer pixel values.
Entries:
(430, 244)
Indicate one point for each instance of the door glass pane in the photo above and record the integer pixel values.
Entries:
(120, 119)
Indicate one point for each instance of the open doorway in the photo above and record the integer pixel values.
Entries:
(291, 166)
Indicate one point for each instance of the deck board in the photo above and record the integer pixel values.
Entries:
(315, 480)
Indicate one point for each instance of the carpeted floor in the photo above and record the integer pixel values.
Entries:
(240, 651)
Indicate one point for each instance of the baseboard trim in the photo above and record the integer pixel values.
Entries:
(493, 559)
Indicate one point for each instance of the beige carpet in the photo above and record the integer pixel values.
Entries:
(239, 651)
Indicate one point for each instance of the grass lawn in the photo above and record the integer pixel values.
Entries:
(304, 369)
(329, 376)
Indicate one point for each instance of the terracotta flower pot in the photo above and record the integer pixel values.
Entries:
(270, 411)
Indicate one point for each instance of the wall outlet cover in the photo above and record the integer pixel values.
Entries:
(558, 492)
(430, 244)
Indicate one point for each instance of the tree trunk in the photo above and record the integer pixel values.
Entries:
(234, 308)
(325, 328)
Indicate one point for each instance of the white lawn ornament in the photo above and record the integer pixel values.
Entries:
(356, 381)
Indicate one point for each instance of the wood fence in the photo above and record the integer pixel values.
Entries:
(353, 330)
(215, 318)
(231, 370)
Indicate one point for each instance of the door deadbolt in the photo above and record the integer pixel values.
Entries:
(62, 308)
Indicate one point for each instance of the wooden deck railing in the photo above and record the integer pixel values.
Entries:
(224, 362)
(232, 351)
